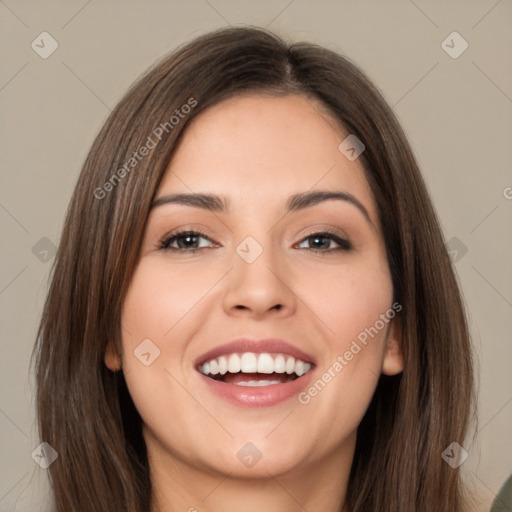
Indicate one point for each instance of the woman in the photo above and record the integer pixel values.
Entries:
(252, 306)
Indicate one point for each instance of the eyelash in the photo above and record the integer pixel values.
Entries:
(344, 245)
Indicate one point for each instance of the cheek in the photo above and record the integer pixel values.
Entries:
(336, 303)
(159, 309)
(351, 304)
(163, 310)
(160, 296)
(348, 300)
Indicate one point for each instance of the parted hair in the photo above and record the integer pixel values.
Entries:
(84, 410)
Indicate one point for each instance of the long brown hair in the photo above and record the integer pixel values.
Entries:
(84, 410)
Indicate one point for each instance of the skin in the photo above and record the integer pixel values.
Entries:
(257, 151)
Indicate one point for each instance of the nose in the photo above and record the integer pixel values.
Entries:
(260, 288)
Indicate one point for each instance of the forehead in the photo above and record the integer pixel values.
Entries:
(260, 148)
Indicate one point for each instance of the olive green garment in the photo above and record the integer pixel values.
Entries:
(503, 501)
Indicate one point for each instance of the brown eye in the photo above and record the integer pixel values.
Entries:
(186, 241)
(321, 242)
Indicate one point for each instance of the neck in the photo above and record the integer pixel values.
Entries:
(178, 486)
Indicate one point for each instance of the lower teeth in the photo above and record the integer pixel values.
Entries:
(256, 383)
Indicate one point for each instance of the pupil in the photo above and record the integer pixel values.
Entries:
(316, 238)
(188, 237)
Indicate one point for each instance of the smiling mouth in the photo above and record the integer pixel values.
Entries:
(255, 370)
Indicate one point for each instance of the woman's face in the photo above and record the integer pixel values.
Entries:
(259, 270)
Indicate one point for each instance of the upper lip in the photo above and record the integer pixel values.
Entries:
(258, 346)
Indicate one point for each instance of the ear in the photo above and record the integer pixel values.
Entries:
(393, 362)
(112, 359)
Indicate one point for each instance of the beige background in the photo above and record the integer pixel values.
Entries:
(456, 112)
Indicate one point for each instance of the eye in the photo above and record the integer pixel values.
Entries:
(323, 239)
(187, 241)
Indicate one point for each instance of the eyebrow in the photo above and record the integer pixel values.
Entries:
(296, 202)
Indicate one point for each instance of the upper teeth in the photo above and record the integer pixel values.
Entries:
(249, 362)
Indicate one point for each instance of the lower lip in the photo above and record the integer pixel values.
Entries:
(263, 396)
